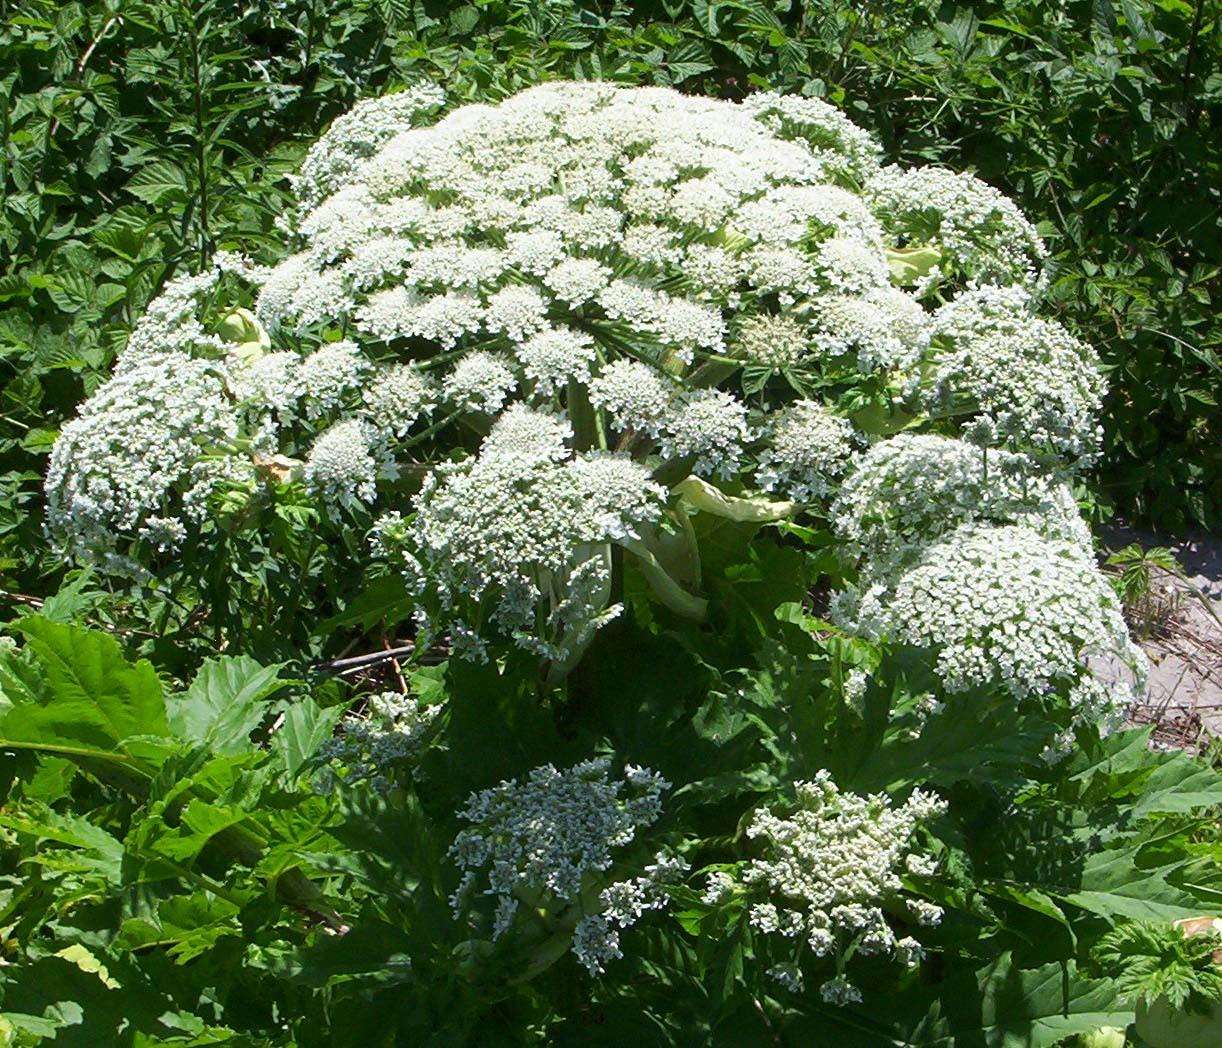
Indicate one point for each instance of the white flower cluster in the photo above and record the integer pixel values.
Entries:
(557, 356)
(356, 135)
(709, 207)
(397, 397)
(480, 382)
(980, 555)
(596, 937)
(1006, 605)
(189, 412)
(709, 427)
(370, 747)
(551, 192)
(170, 326)
(142, 459)
(527, 519)
(545, 840)
(886, 329)
(828, 871)
(839, 143)
(980, 231)
(772, 341)
(586, 266)
(907, 491)
(343, 465)
(635, 396)
(705, 428)
(1029, 383)
(808, 451)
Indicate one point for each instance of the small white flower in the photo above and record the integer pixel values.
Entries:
(480, 381)
(341, 466)
(808, 450)
(980, 229)
(556, 356)
(710, 427)
(840, 991)
(1002, 605)
(826, 871)
(553, 831)
(397, 396)
(718, 889)
(772, 341)
(635, 395)
(577, 280)
(517, 310)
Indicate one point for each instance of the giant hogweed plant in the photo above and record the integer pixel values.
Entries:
(527, 346)
(729, 473)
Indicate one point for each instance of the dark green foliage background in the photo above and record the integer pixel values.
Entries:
(137, 136)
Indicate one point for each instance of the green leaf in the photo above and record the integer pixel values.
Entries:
(1001, 1005)
(104, 852)
(374, 952)
(189, 925)
(1005, 1006)
(1179, 786)
(306, 727)
(158, 183)
(385, 601)
(1032, 899)
(226, 701)
(181, 844)
(92, 697)
(1114, 886)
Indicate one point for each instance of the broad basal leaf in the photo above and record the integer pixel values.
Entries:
(91, 698)
(224, 704)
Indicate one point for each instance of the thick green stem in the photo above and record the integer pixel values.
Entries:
(664, 587)
(582, 416)
(711, 372)
(201, 144)
(710, 499)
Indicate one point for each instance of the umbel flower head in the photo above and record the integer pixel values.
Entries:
(390, 732)
(526, 522)
(826, 873)
(616, 287)
(142, 459)
(1026, 381)
(547, 841)
(1005, 605)
(809, 451)
(907, 491)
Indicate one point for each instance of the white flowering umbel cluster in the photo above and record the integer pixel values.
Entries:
(907, 491)
(1005, 605)
(142, 460)
(547, 842)
(517, 536)
(1024, 381)
(524, 333)
(974, 548)
(829, 874)
(809, 452)
(620, 905)
(981, 232)
(372, 746)
(191, 412)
